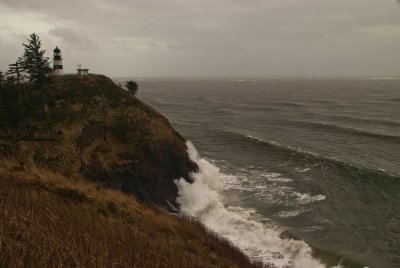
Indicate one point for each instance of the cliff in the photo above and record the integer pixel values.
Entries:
(82, 163)
(47, 220)
(88, 128)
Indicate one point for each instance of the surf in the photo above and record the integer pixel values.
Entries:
(257, 236)
(349, 169)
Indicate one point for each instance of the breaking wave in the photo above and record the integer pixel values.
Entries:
(256, 236)
(349, 130)
(367, 175)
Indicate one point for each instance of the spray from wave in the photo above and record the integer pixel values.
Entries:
(258, 239)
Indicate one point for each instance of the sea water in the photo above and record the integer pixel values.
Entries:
(316, 157)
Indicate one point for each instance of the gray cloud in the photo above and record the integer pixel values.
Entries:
(218, 37)
(68, 35)
(72, 38)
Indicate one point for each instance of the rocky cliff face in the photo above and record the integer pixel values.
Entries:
(91, 129)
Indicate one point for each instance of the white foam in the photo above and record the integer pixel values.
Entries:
(276, 179)
(308, 199)
(291, 213)
(303, 170)
(244, 227)
(311, 229)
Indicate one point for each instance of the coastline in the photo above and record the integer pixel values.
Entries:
(93, 175)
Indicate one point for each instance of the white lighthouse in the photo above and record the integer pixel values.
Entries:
(57, 62)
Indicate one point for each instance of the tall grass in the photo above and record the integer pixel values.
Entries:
(50, 225)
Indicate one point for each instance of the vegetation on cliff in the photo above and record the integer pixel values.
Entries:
(49, 221)
(32, 66)
(88, 128)
(67, 148)
(84, 169)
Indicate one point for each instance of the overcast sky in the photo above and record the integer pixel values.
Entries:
(183, 38)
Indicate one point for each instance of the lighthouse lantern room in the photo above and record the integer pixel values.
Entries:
(57, 62)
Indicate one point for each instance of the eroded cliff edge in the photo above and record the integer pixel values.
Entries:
(89, 128)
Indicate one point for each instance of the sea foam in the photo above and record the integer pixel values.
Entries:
(243, 227)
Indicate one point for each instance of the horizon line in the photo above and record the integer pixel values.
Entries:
(383, 77)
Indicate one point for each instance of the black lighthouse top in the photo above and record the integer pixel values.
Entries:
(57, 54)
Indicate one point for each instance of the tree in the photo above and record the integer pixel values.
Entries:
(16, 70)
(2, 78)
(34, 62)
(132, 87)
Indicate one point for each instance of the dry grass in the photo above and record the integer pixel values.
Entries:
(49, 221)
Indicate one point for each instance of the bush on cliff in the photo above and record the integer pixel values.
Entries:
(132, 87)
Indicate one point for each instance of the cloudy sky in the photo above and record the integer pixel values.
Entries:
(182, 38)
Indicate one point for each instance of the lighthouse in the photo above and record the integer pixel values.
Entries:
(57, 62)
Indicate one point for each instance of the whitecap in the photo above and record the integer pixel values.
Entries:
(304, 198)
(291, 213)
(250, 232)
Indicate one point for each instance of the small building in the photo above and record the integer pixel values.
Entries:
(82, 71)
(58, 68)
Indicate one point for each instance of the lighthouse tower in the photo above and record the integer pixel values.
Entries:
(57, 62)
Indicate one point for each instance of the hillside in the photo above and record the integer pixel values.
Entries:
(84, 169)
(88, 128)
(48, 221)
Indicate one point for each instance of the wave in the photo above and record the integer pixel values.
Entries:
(349, 130)
(357, 119)
(259, 186)
(255, 236)
(244, 107)
(384, 78)
(306, 198)
(350, 170)
(290, 150)
(291, 213)
(329, 102)
(286, 104)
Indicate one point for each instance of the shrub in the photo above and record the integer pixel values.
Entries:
(132, 87)
(123, 128)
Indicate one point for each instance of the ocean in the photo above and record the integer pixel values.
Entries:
(315, 159)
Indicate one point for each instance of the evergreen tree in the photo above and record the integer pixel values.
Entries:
(35, 63)
(132, 87)
(16, 70)
(2, 78)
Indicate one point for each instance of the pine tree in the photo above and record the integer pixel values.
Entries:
(35, 63)
(16, 70)
(2, 78)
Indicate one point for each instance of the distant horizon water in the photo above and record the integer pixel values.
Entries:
(259, 77)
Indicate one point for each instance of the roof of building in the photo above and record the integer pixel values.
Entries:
(57, 50)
